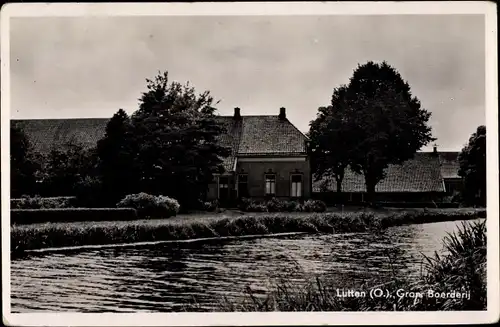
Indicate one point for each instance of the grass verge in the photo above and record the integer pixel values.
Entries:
(30, 216)
(36, 236)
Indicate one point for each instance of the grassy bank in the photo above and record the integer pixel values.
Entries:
(36, 236)
(461, 269)
(33, 216)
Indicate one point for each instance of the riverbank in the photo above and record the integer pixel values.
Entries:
(53, 235)
(453, 280)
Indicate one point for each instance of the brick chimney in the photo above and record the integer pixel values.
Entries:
(237, 114)
(282, 114)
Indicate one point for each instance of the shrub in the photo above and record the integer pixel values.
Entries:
(281, 205)
(457, 198)
(168, 205)
(37, 202)
(275, 205)
(290, 206)
(257, 207)
(31, 216)
(89, 192)
(244, 204)
(299, 207)
(210, 205)
(314, 206)
(250, 205)
(148, 205)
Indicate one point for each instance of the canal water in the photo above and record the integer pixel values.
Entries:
(164, 278)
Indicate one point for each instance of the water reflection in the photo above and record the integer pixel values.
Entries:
(164, 278)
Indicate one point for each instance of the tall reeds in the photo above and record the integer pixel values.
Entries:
(458, 276)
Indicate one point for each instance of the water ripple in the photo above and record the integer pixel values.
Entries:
(163, 278)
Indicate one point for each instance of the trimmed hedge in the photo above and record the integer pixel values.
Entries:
(37, 202)
(32, 216)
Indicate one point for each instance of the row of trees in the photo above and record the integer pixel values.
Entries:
(168, 146)
(375, 121)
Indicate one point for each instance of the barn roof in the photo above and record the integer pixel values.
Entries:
(420, 174)
(250, 135)
(44, 134)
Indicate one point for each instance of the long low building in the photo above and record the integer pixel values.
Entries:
(429, 176)
(269, 158)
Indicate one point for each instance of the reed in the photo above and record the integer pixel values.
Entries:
(461, 268)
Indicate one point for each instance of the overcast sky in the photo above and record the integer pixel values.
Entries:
(91, 67)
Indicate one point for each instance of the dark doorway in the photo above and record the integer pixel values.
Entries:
(224, 192)
(243, 186)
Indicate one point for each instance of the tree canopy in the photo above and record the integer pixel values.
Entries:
(117, 159)
(53, 174)
(331, 143)
(472, 160)
(174, 138)
(168, 146)
(65, 166)
(24, 163)
(372, 122)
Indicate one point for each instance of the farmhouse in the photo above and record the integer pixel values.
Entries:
(269, 158)
(268, 153)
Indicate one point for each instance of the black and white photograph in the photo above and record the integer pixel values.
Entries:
(279, 158)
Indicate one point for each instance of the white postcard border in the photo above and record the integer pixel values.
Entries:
(259, 8)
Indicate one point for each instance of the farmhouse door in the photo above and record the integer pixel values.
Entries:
(224, 191)
(243, 186)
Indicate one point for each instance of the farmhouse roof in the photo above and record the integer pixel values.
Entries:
(420, 174)
(260, 136)
(246, 135)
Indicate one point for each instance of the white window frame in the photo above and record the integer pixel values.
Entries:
(272, 184)
(298, 191)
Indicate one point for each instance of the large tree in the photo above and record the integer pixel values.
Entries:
(24, 163)
(117, 159)
(65, 166)
(388, 123)
(331, 143)
(472, 160)
(175, 138)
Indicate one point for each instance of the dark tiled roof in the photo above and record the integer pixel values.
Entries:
(47, 133)
(231, 139)
(449, 164)
(252, 135)
(270, 135)
(420, 174)
(260, 136)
